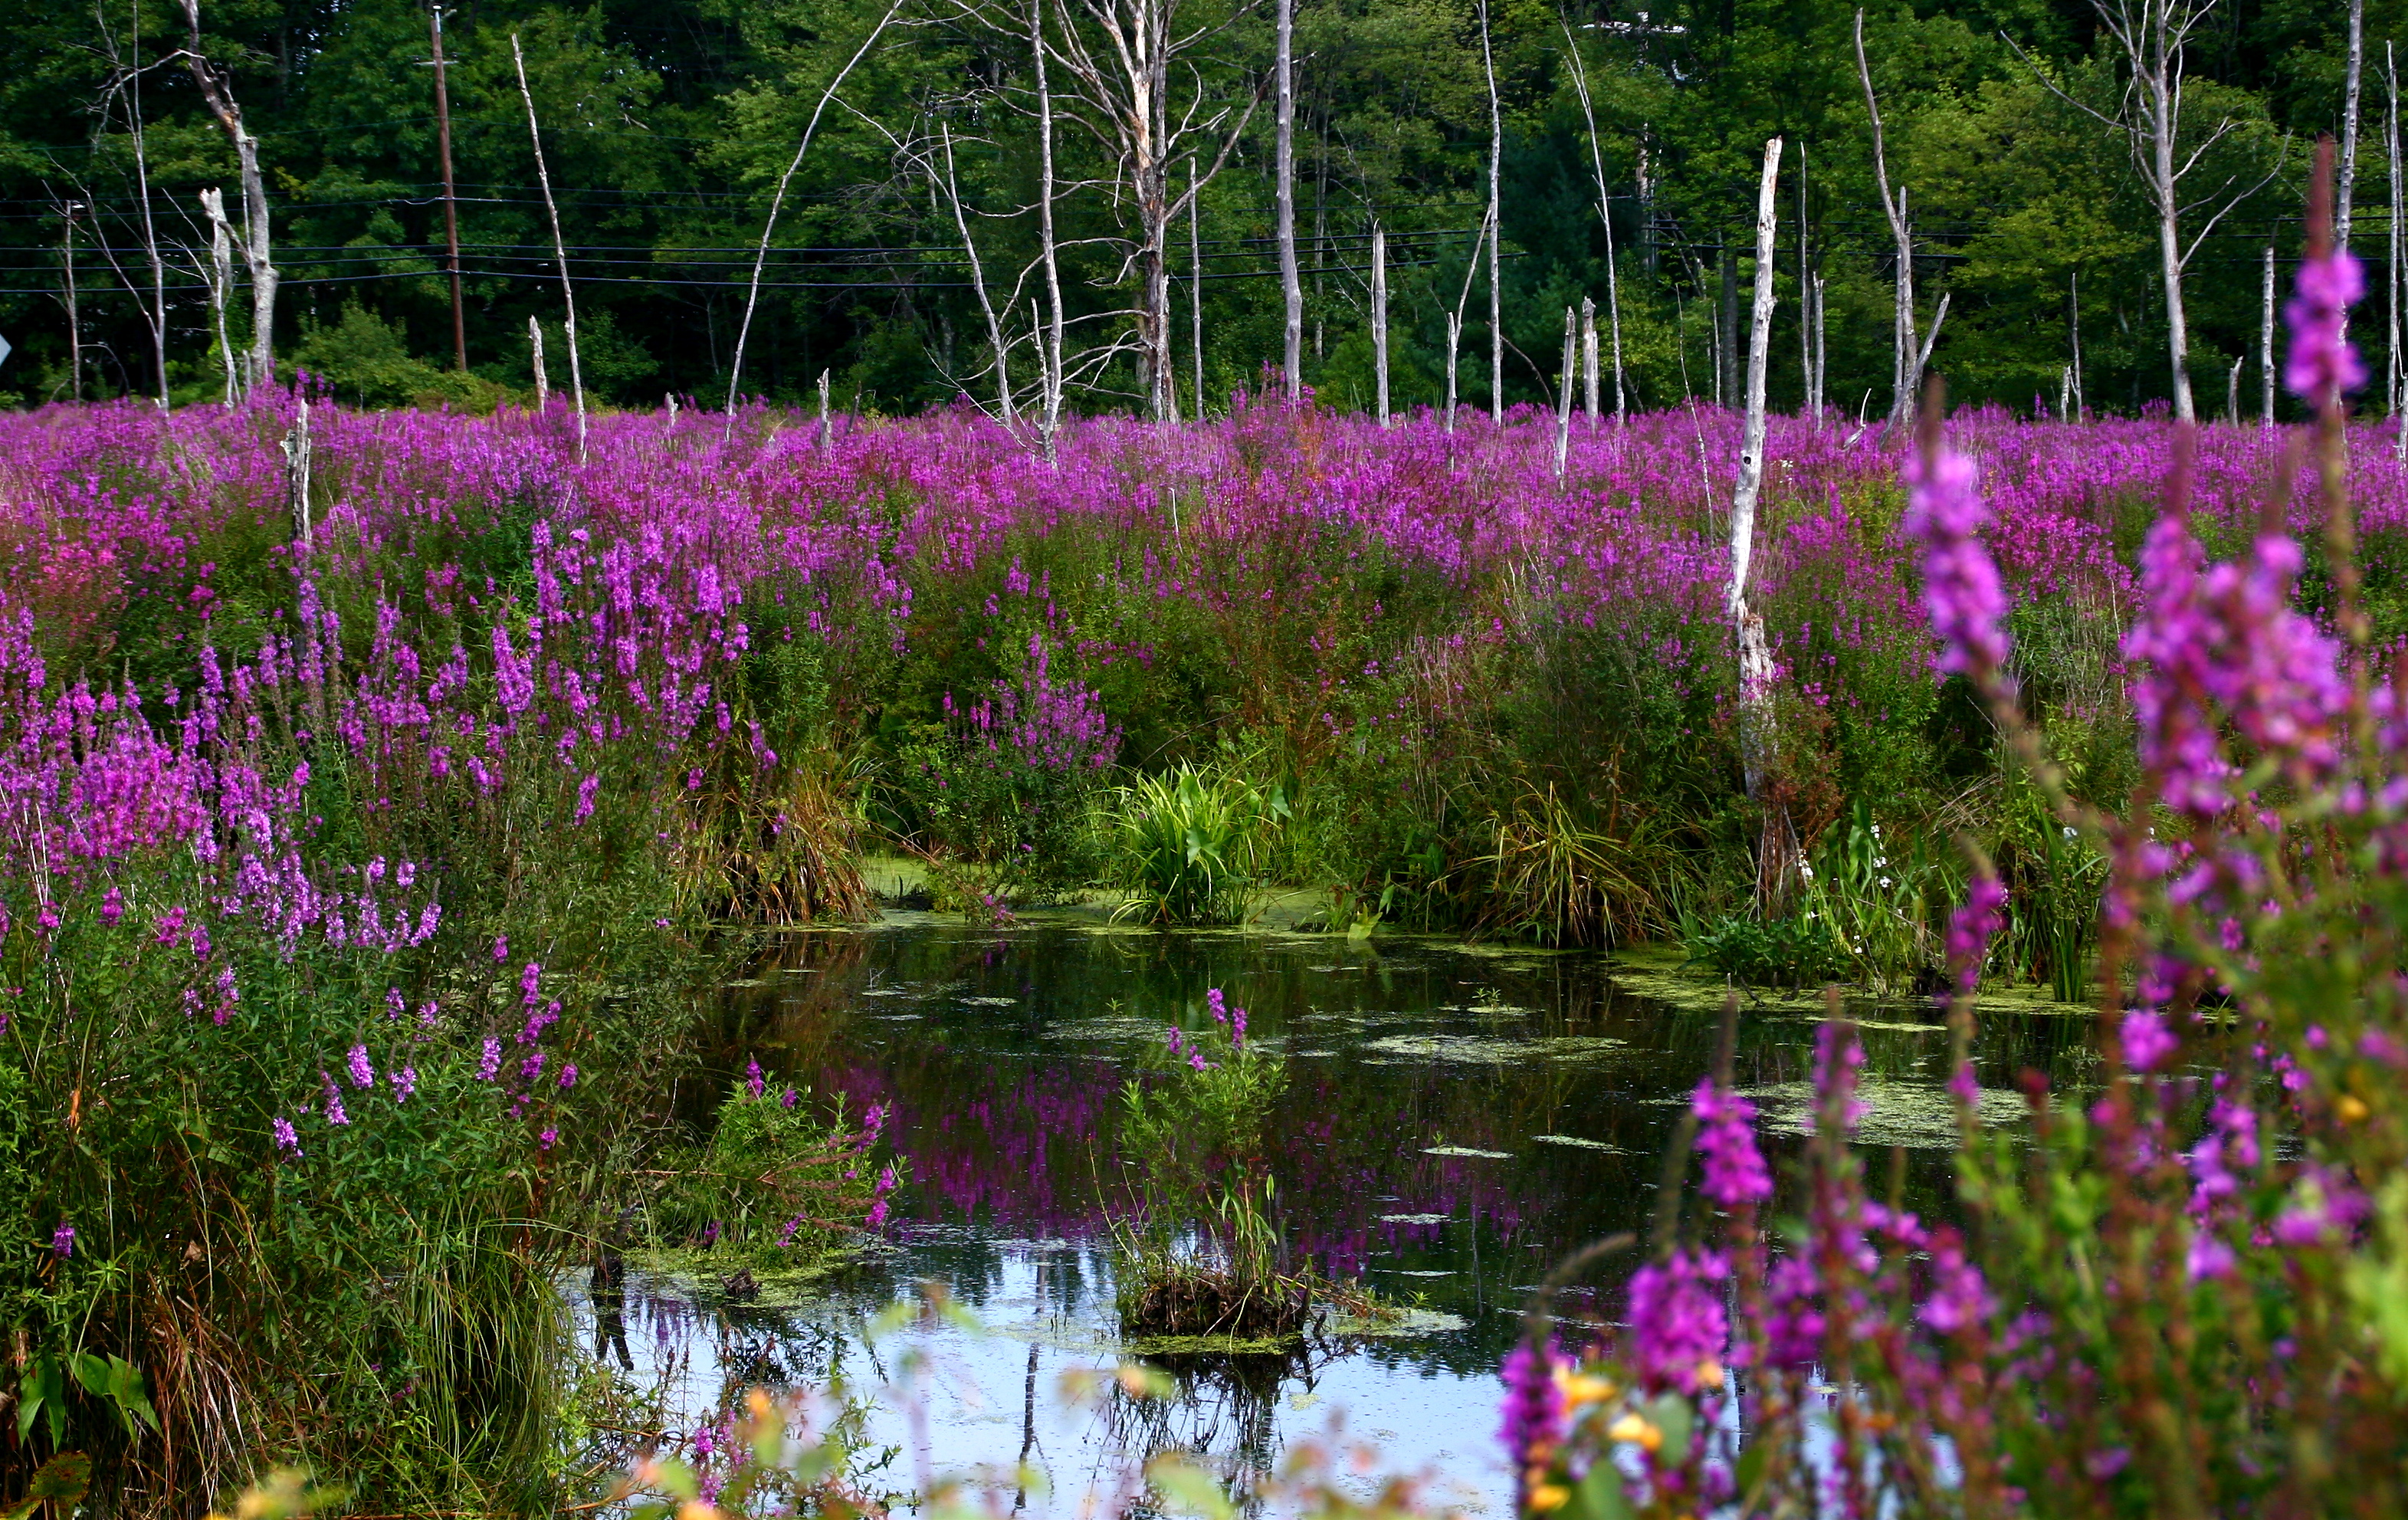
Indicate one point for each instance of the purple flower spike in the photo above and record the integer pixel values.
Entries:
(287, 1140)
(363, 1074)
(1735, 1172)
(1533, 1408)
(2322, 365)
(752, 1083)
(1960, 582)
(63, 1241)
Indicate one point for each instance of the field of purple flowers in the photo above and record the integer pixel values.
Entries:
(363, 826)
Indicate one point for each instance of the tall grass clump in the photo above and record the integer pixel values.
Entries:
(1193, 844)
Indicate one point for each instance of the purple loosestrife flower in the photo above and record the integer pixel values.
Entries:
(531, 1067)
(405, 1081)
(548, 1138)
(1959, 1301)
(62, 1241)
(113, 906)
(1174, 1039)
(529, 980)
(363, 1074)
(1217, 1005)
(1678, 1330)
(490, 1064)
(1735, 1174)
(1961, 583)
(569, 1074)
(1237, 1028)
(2322, 365)
(788, 1099)
(1971, 929)
(1533, 1410)
(2147, 1039)
(335, 1114)
(287, 1140)
(752, 1083)
(501, 948)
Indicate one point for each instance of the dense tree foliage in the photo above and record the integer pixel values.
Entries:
(668, 125)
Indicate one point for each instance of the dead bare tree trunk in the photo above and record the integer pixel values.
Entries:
(67, 284)
(1380, 319)
(256, 255)
(977, 280)
(2266, 345)
(2153, 36)
(1495, 232)
(296, 471)
(559, 246)
(778, 202)
(1605, 217)
(535, 354)
(1291, 286)
(221, 282)
(1569, 375)
(1588, 360)
(2392, 243)
(2345, 190)
(1050, 402)
(1903, 350)
(126, 83)
(1755, 652)
(1196, 285)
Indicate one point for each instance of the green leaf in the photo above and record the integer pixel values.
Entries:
(1672, 1414)
(90, 1370)
(63, 1479)
(1749, 1471)
(1188, 1489)
(1600, 1494)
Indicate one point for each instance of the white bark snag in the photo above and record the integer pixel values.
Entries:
(2073, 332)
(256, 255)
(1291, 286)
(74, 319)
(978, 278)
(2153, 36)
(827, 433)
(1050, 360)
(1495, 234)
(1569, 375)
(559, 248)
(221, 282)
(2392, 246)
(2266, 345)
(778, 202)
(542, 376)
(1755, 654)
(2344, 192)
(1588, 359)
(296, 471)
(1604, 215)
(1380, 319)
(1196, 281)
(1901, 406)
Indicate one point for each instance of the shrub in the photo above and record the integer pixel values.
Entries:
(1193, 845)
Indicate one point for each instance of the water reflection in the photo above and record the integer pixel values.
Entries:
(1458, 1118)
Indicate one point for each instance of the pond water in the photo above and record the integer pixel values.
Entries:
(1458, 1117)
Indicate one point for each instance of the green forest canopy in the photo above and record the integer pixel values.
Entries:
(668, 124)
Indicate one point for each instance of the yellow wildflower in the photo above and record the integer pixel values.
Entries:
(1637, 1430)
(1550, 1496)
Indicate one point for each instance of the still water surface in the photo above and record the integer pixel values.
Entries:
(1458, 1118)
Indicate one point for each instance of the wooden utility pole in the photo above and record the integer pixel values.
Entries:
(451, 196)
